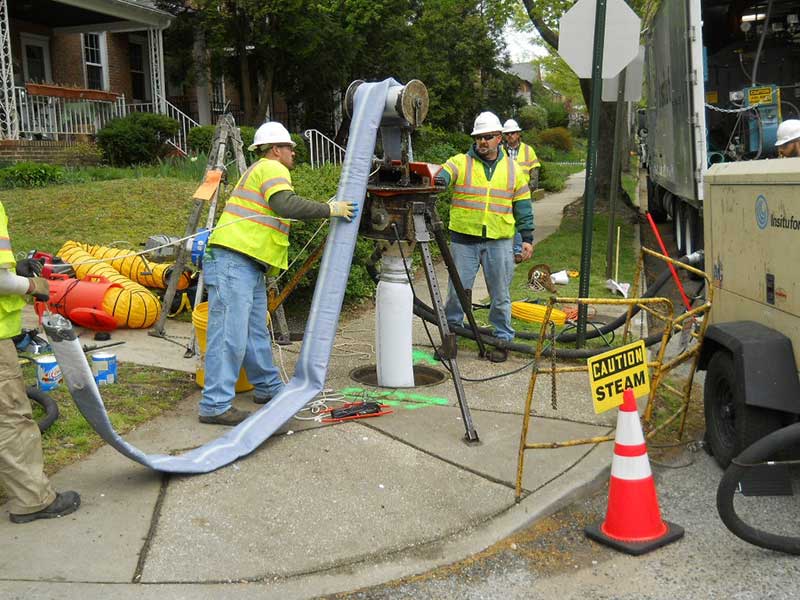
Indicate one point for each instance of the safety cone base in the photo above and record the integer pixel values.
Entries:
(674, 533)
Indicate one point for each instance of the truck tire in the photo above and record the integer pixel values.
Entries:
(731, 425)
(654, 206)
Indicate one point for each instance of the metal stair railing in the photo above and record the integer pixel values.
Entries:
(185, 123)
(323, 149)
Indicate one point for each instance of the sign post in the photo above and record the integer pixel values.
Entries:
(623, 45)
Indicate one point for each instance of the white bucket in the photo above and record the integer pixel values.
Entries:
(104, 367)
(560, 278)
(48, 373)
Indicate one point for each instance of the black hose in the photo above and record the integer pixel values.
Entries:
(47, 403)
(755, 454)
(423, 311)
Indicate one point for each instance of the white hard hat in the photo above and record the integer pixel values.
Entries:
(788, 131)
(486, 122)
(271, 132)
(511, 126)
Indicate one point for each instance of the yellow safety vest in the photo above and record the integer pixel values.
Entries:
(526, 158)
(248, 225)
(478, 203)
(10, 305)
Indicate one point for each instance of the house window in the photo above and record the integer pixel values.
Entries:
(95, 61)
(35, 58)
(138, 65)
(218, 94)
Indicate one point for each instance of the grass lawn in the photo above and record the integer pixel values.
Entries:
(126, 211)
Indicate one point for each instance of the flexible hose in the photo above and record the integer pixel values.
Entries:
(755, 455)
(423, 311)
(137, 268)
(132, 305)
(47, 403)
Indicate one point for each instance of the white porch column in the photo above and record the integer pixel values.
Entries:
(9, 127)
(158, 83)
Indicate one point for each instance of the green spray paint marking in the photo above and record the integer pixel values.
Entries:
(420, 356)
(393, 398)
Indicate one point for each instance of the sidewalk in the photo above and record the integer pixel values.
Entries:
(317, 509)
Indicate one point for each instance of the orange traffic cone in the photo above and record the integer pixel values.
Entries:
(633, 521)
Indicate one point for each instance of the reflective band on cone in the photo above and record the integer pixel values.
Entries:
(633, 521)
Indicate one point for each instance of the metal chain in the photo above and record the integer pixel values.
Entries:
(553, 397)
(731, 110)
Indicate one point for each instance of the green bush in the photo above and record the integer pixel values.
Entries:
(436, 145)
(30, 174)
(532, 116)
(557, 114)
(199, 139)
(138, 138)
(81, 155)
(558, 137)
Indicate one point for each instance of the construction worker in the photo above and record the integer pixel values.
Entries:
(21, 463)
(788, 141)
(491, 201)
(526, 158)
(251, 240)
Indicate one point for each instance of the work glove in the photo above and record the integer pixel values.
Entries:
(39, 288)
(29, 267)
(346, 210)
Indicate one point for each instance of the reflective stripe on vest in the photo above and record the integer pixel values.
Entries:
(10, 305)
(478, 203)
(248, 224)
(527, 159)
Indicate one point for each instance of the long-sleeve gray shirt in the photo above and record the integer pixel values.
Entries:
(289, 205)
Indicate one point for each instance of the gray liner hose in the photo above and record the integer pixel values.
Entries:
(312, 364)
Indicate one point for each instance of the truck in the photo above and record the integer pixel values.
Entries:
(721, 76)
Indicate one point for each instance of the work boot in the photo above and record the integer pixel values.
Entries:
(64, 504)
(498, 355)
(517, 258)
(268, 397)
(232, 416)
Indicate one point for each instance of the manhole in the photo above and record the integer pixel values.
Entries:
(423, 376)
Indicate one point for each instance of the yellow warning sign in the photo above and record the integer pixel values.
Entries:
(612, 372)
(712, 97)
(760, 95)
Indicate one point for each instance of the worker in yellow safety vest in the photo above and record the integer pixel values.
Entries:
(491, 202)
(526, 158)
(251, 240)
(21, 465)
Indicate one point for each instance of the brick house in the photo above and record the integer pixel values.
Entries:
(69, 66)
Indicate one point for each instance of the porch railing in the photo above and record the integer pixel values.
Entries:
(52, 116)
(185, 122)
(323, 149)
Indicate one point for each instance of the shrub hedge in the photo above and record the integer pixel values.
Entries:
(138, 138)
(30, 174)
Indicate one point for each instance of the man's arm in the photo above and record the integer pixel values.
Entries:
(289, 205)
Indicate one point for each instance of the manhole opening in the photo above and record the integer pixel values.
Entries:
(423, 376)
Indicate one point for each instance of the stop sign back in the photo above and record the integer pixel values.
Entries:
(576, 35)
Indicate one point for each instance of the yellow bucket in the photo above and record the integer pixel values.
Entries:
(200, 322)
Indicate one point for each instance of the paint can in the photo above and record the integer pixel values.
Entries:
(48, 373)
(104, 367)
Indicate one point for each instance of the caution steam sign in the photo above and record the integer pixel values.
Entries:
(612, 372)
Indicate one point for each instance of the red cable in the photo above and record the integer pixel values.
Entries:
(670, 265)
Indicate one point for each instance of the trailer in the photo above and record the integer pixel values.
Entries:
(721, 75)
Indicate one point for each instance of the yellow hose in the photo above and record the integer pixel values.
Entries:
(131, 306)
(534, 313)
(149, 274)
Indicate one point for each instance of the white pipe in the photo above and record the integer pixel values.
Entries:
(393, 325)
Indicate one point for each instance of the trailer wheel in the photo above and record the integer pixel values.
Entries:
(654, 206)
(731, 425)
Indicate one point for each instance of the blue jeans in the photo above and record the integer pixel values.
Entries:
(517, 243)
(237, 331)
(498, 268)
